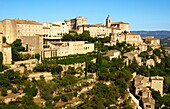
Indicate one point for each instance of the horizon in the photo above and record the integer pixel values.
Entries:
(143, 15)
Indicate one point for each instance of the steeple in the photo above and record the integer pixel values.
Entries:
(108, 21)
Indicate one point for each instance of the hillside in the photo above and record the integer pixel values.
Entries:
(157, 34)
(165, 42)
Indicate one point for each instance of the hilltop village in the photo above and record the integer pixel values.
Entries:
(72, 64)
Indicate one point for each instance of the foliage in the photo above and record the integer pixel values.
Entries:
(45, 67)
(4, 91)
(14, 90)
(144, 55)
(56, 98)
(14, 77)
(37, 56)
(103, 96)
(46, 89)
(4, 81)
(65, 98)
(31, 91)
(1, 61)
(27, 103)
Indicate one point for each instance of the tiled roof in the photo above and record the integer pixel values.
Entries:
(5, 45)
(150, 38)
(148, 100)
(111, 52)
(132, 33)
(89, 25)
(157, 78)
(46, 28)
(27, 22)
(55, 25)
(119, 23)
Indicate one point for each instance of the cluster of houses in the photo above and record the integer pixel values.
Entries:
(44, 38)
(142, 89)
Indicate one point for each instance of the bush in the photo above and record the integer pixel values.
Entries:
(31, 91)
(56, 98)
(4, 91)
(75, 94)
(14, 90)
(64, 98)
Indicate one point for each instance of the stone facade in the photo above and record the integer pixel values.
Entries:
(113, 54)
(142, 85)
(27, 27)
(98, 30)
(9, 30)
(35, 43)
(152, 41)
(75, 22)
(157, 83)
(67, 48)
(6, 51)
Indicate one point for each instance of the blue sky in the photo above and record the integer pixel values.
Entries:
(141, 14)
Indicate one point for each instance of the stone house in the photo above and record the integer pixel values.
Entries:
(157, 83)
(150, 62)
(113, 54)
(6, 51)
(131, 56)
(143, 84)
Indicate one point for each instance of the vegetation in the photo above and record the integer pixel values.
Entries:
(16, 48)
(85, 36)
(107, 90)
(1, 60)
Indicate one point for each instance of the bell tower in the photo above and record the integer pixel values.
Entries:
(108, 21)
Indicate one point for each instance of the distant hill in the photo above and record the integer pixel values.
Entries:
(165, 42)
(157, 34)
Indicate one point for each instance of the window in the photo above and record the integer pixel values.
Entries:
(148, 106)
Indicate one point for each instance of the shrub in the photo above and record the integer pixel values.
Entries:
(56, 98)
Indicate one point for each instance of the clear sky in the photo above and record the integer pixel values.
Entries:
(141, 14)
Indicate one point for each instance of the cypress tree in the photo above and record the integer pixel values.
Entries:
(1, 60)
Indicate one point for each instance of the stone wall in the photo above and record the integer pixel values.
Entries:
(9, 29)
(35, 43)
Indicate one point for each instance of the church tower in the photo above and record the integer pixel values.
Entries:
(108, 21)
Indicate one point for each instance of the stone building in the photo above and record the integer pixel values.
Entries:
(28, 27)
(34, 43)
(13, 29)
(142, 89)
(55, 29)
(143, 84)
(152, 41)
(113, 54)
(157, 83)
(6, 51)
(9, 30)
(66, 48)
(75, 22)
(98, 30)
(121, 25)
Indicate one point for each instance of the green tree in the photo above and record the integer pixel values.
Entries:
(27, 103)
(4, 81)
(4, 91)
(37, 56)
(1, 61)
(31, 91)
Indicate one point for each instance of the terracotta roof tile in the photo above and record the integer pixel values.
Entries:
(27, 22)
(119, 23)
